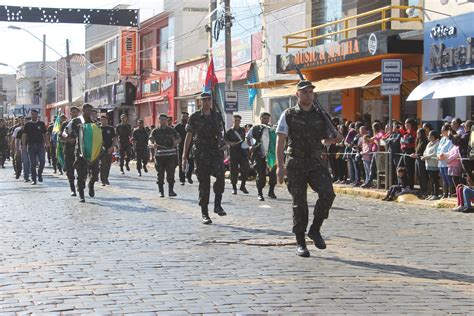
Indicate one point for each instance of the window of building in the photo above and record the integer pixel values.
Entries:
(97, 56)
(162, 51)
(112, 50)
(448, 107)
(146, 52)
(278, 105)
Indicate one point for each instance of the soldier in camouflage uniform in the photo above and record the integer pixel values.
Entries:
(69, 148)
(205, 130)
(304, 130)
(234, 137)
(257, 154)
(165, 139)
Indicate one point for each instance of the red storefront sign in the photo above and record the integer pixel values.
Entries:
(128, 64)
(192, 78)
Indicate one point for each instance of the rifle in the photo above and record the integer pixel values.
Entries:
(332, 130)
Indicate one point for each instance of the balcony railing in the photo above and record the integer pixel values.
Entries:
(309, 37)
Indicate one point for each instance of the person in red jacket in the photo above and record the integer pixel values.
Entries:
(407, 146)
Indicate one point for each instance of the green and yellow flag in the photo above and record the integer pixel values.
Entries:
(90, 138)
(57, 142)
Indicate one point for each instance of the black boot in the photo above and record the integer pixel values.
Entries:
(91, 189)
(205, 215)
(301, 249)
(139, 172)
(243, 188)
(160, 188)
(234, 189)
(271, 193)
(121, 170)
(217, 205)
(315, 234)
(73, 188)
(260, 195)
(170, 190)
(81, 196)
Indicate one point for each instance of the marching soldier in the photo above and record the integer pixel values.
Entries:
(254, 140)
(205, 131)
(124, 132)
(140, 142)
(81, 165)
(165, 140)
(303, 128)
(109, 140)
(69, 148)
(234, 138)
(181, 129)
(3, 142)
(34, 137)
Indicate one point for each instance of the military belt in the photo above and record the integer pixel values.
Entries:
(298, 153)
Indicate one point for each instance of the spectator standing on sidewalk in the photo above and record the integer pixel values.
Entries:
(367, 150)
(431, 164)
(445, 145)
(454, 162)
(420, 167)
(407, 147)
(35, 137)
(392, 141)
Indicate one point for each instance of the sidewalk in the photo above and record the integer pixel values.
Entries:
(408, 198)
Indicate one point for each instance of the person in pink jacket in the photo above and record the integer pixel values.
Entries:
(454, 161)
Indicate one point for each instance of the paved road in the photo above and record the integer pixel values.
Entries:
(127, 251)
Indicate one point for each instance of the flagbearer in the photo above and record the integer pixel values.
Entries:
(165, 139)
(260, 138)
(235, 138)
(204, 129)
(84, 163)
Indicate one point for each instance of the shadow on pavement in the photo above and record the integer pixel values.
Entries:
(256, 230)
(407, 271)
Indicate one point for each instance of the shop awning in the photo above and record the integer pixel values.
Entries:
(444, 87)
(238, 73)
(150, 99)
(189, 96)
(326, 85)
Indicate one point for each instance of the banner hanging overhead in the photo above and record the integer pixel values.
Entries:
(118, 17)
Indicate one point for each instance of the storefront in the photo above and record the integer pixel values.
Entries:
(114, 99)
(448, 64)
(191, 80)
(347, 75)
(157, 96)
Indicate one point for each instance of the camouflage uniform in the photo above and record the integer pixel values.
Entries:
(208, 158)
(68, 150)
(166, 158)
(261, 161)
(238, 156)
(305, 167)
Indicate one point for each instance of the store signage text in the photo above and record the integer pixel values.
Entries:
(191, 79)
(442, 57)
(441, 31)
(359, 47)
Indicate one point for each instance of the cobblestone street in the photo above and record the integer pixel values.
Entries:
(129, 251)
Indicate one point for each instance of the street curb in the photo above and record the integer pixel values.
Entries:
(380, 194)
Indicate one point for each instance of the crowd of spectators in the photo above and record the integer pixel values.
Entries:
(437, 162)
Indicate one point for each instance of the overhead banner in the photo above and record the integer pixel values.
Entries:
(128, 64)
(118, 17)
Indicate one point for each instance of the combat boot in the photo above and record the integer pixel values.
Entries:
(81, 196)
(121, 170)
(260, 195)
(73, 188)
(301, 249)
(217, 205)
(234, 189)
(91, 189)
(171, 193)
(315, 234)
(139, 173)
(243, 188)
(160, 188)
(205, 215)
(271, 193)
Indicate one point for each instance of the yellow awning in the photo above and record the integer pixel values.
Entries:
(331, 84)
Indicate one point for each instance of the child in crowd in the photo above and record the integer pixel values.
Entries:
(431, 162)
(401, 186)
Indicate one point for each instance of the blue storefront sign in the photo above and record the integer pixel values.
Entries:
(449, 44)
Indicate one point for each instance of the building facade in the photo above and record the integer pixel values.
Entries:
(7, 93)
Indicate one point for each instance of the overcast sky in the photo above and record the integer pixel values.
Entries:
(20, 47)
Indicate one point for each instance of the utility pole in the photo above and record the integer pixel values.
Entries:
(228, 53)
(43, 82)
(68, 69)
(212, 18)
